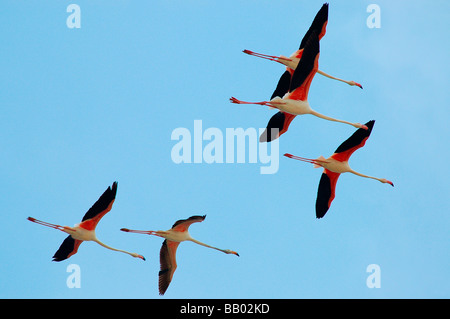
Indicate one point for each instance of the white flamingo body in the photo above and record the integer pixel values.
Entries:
(295, 107)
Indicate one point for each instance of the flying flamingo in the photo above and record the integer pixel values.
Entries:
(318, 25)
(173, 237)
(295, 101)
(281, 120)
(335, 165)
(85, 231)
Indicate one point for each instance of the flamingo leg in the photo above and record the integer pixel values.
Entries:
(266, 103)
(144, 232)
(308, 160)
(267, 57)
(40, 222)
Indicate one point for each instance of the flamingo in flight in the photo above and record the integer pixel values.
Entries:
(281, 120)
(319, 25)
(295, 101)
(337, 164)
(173, 237)
(85, 231)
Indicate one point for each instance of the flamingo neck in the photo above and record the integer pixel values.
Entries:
(203, 244)
(111, 248)
(330, 118)
(365, 176)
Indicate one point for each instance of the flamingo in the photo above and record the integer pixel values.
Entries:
(281, 120)
(318, 25)
(173, 237)
(337, 164)
(85, 231)
(295, 101)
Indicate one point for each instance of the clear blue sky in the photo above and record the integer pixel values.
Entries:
(82, 108)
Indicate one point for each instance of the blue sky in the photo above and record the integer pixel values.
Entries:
(82, 108)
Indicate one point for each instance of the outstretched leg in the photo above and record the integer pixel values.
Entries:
(273, 103)
(145, 232)
(40, 222)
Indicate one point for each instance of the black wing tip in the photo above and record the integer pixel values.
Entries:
(114, 188)
(57, 257)
(263, 137)
(321, 213)
(202, 217)
(267, 136)
(274, 128)
(324, 193)
(323, 12)
(370, 125)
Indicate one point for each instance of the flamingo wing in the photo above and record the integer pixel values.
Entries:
(183, 224)
(283, 85)
(326, 192)
(298, 87)
(280, 121)
(354, 142)
(306, 69)
(68, 248)
(168, 262)
(100, 208)
(319, 25)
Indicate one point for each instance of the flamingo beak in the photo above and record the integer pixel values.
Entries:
(360, 86)
(235, 253)
(142, 257)
(390, 183)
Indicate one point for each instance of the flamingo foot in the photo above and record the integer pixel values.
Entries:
(236, 101)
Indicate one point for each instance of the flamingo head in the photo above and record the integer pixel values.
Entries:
(353, 83)
(138, 256)
(359, 125)
(385, 181)
(228, 251)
